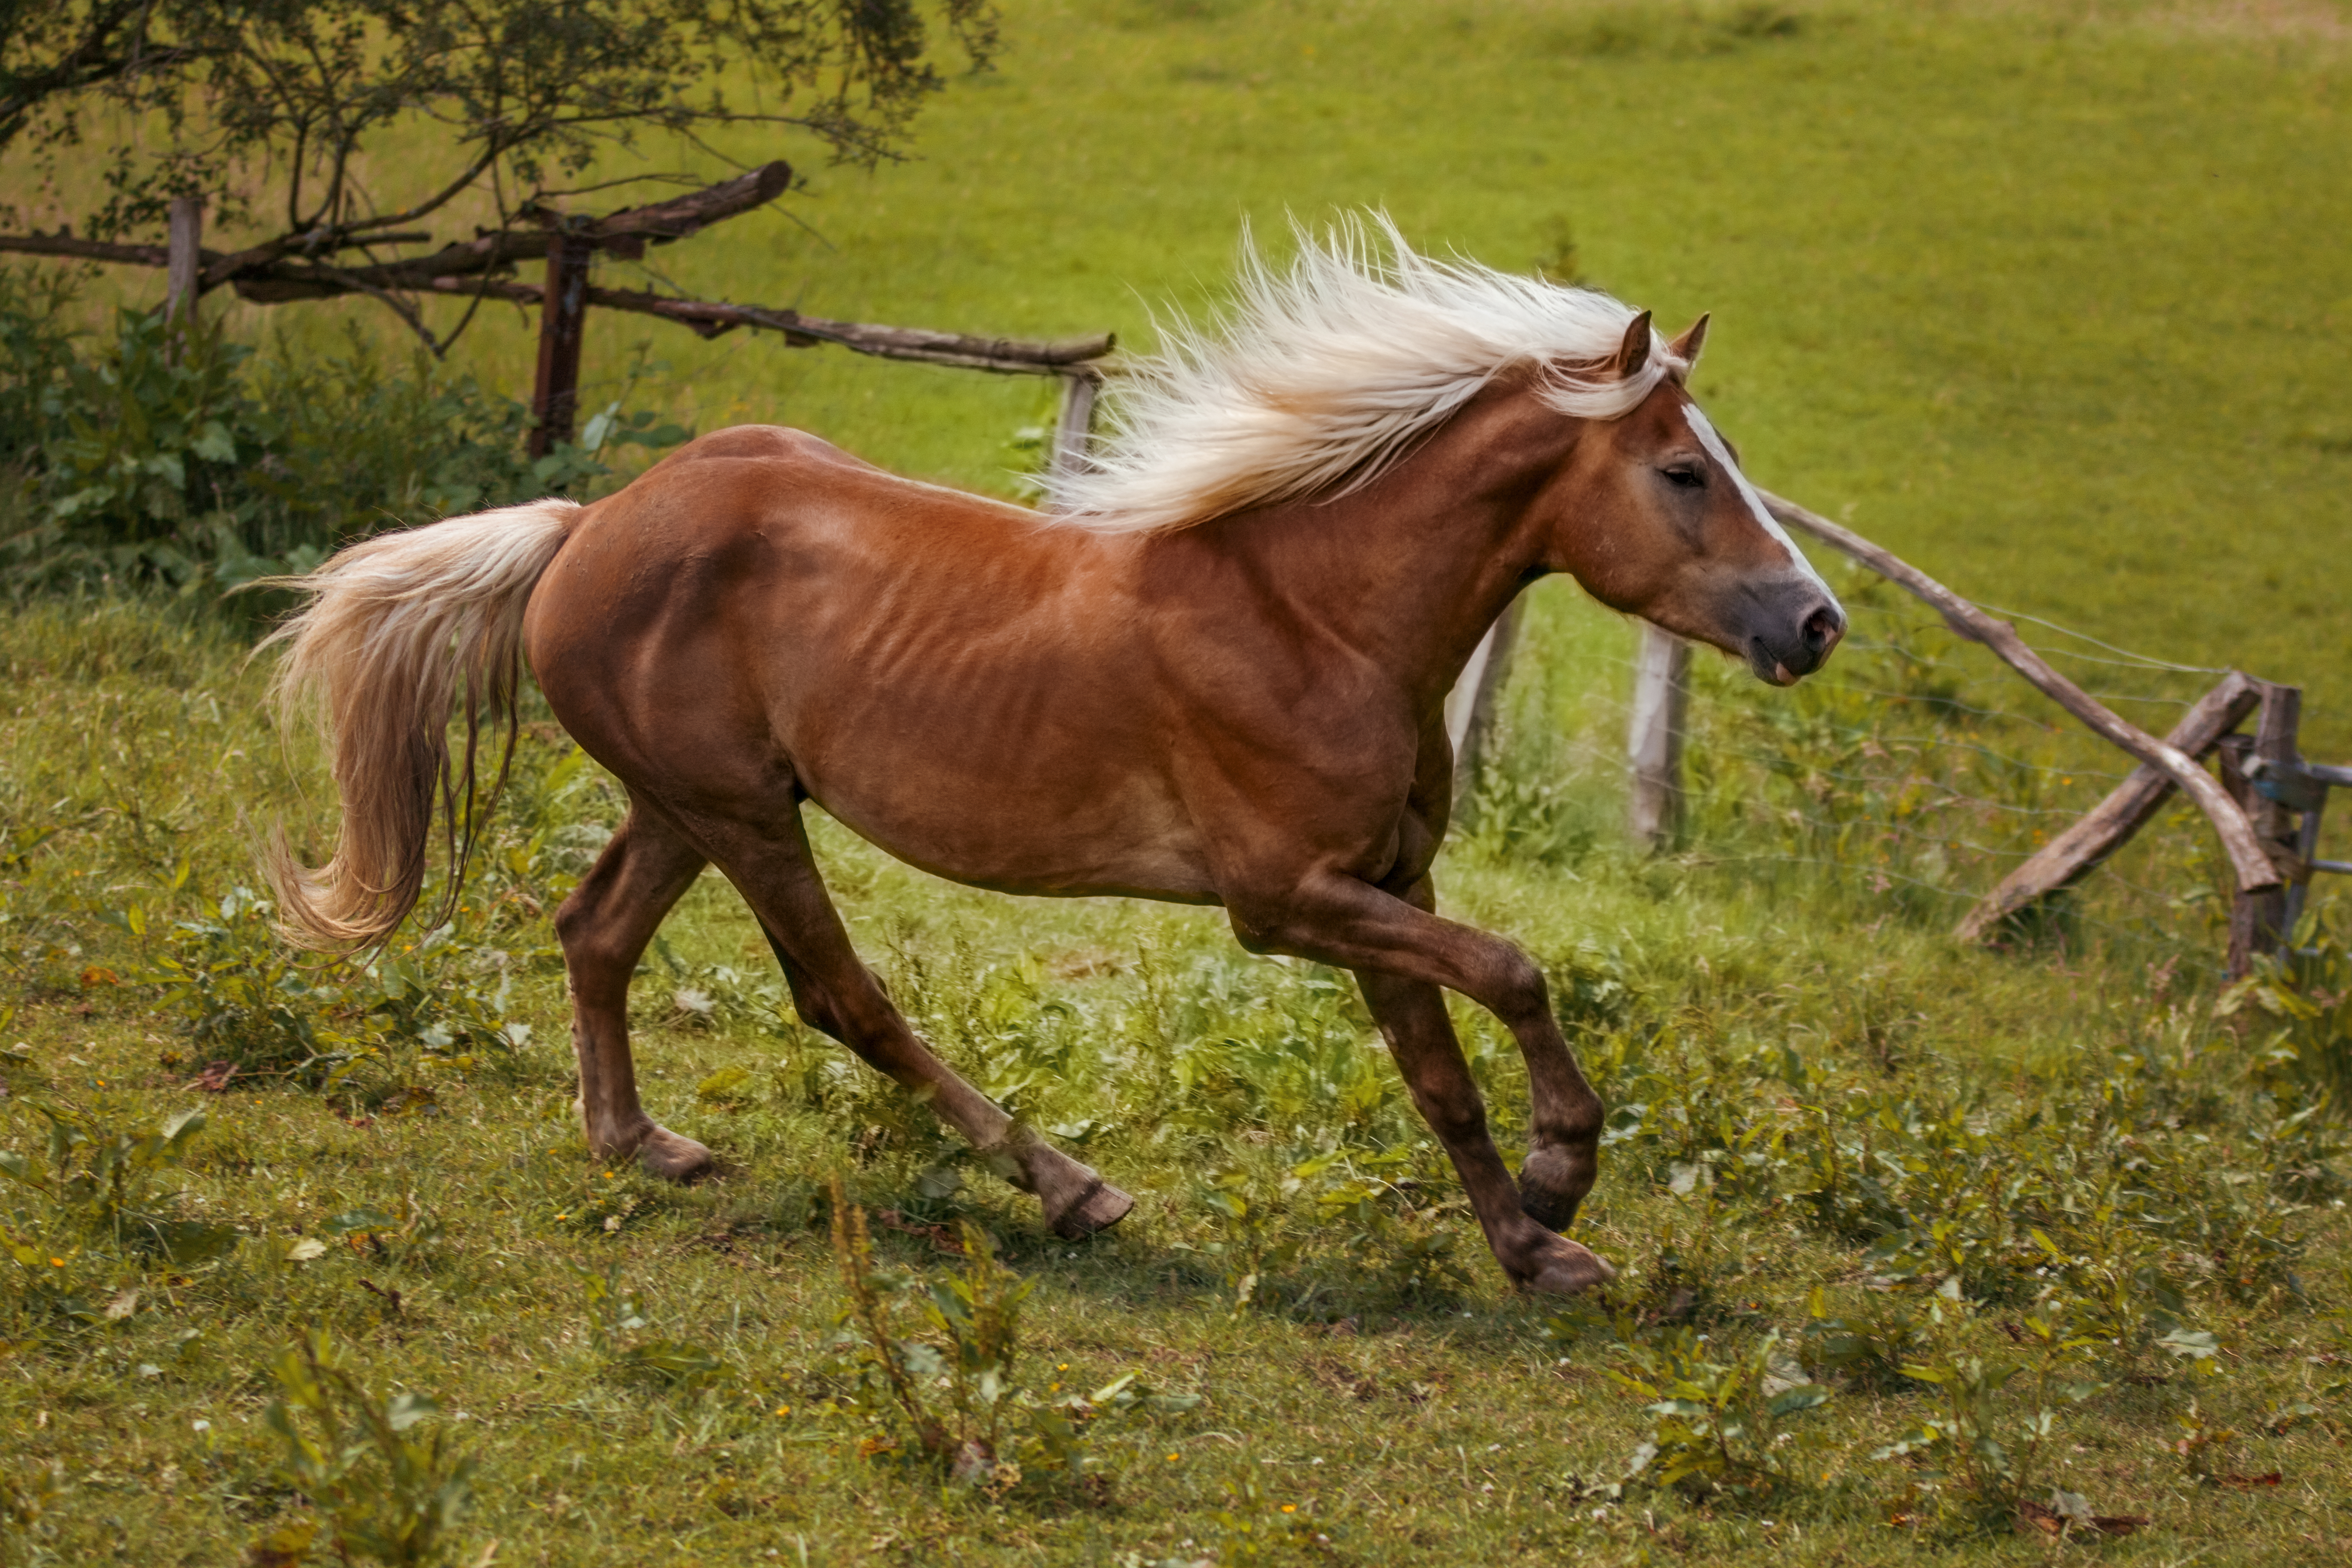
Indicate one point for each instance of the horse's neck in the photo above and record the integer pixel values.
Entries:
(1411, 570)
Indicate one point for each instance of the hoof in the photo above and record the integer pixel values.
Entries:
(1100, 1207)
(672, 1158)
(1567, 1270)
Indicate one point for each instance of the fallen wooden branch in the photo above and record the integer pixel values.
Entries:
(2108, 826)
(2252, 868)
(708, 318)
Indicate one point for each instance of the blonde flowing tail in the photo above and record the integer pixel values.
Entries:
(395, 624)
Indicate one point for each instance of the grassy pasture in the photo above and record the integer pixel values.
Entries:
(1806, 1077)
(2042, 294)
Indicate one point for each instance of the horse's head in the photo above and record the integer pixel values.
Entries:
(1652, 514)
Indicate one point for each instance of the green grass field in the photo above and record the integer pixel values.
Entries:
(2039, 295)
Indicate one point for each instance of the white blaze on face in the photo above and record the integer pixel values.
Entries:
(1722, 455)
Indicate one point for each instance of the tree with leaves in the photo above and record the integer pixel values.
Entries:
(331, 128)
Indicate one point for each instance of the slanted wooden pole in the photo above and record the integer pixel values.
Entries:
(563, 324)
(2248, 859)
(2109, 825)
(184, 263)
(1654, 741)
(1470, 706)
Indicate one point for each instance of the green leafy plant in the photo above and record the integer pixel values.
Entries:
(168, 454)
(952, 1398)
(1974, 1456)
(2306, 994)
(1716, 1425)
(98, 1202)
(388, 1491)
(239, 994)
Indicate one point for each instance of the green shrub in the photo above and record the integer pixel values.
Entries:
(2306, 994)
(950, 1400)
(164, 452)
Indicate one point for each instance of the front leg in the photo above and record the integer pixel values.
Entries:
(1401, 952)
(1412, 1018)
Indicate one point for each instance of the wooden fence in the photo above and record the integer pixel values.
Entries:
(2266, 806)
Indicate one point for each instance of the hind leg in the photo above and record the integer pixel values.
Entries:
(772, 868)
(603, 927)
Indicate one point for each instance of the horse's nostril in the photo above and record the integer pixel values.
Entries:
(1820, 630)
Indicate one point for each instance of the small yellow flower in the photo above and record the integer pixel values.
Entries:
(60, 1263)
(1171, 1458)
(564, 1217)
(784, 1410)
(1290, 1508)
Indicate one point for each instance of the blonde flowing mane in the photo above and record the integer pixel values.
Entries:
(1321, 376)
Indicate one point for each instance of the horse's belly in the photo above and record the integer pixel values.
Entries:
(1128, 836)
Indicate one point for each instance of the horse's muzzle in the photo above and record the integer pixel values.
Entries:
(1797, 639)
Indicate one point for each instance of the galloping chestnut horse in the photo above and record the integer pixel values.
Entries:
(1213, 673)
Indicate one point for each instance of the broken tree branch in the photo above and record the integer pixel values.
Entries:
(2253, 867)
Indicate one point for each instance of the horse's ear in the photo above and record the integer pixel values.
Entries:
(1634, 352)
(1687, 347)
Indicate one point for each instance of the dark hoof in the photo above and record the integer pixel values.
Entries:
(1100, 1207)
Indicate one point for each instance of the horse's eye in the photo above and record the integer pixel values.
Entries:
(1684, 476)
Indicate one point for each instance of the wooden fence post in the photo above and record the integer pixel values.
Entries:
(2253, 865)
(562, 322)
(184, 252)
(2258, 919)
(1653, 743)
(1074, 427)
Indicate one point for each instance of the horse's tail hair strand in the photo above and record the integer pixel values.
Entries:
(395, 624)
